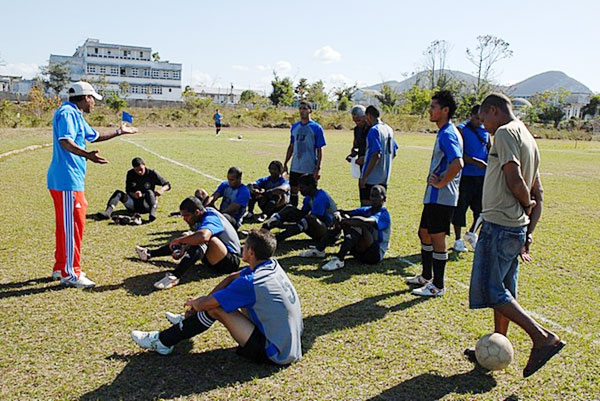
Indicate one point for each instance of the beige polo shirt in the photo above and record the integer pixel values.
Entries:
(512, 143)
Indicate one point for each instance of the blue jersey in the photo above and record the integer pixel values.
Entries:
(448, 146)
(475, 141)
(239, 195)
(320, 205)
(67, 170)
(268, 182)
(380, 139)
(306, 138)
(221, 228)
(218, 118)
(384, 225)
(273, 306)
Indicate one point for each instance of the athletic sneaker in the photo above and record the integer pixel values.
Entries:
(175, 318)
(417, 280)
(429, 290)
(248, 217)
(102, 216)
(137, 220)
(334, 264)
(459, 246)
(272, 222)
(150, 340)
(81, 282)
(56, 275)
(142, 253)
(261, 217)
(471, 238)
(313, 252)
(168, 281)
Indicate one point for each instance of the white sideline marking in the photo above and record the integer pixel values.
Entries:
(535, 315)
(195, 170)
(28, 148)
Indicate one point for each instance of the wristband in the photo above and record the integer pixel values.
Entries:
(118, 131)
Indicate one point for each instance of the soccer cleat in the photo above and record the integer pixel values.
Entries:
(175, 318)
(102, 216)
(417, 280)
(429, 290)
(150, 340)
(248, 217)
(459, 246)
(56, 275)
(334, 264)
(312, 252)
(471, 238)
(272, 222)
(137, 220)
(168, 281)
(261, 217)
(142, 253)
(81, 282)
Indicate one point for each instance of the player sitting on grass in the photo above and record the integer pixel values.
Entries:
(271, 193)
(257, 305)
(315, 218)
(214, 242)
(366, 232)
(140, 191)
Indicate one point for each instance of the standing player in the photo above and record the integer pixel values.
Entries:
(476, 147)
(235, 197)
(380, 152)
(512, 206)
(66, 178)
(306, 141)
(218, 121)
(258, 305)
(271, 193)
(441, 196)
(359, 144)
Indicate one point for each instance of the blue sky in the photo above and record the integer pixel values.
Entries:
(340, 42)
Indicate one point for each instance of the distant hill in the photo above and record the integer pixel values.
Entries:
(422, 79)
(549, 80)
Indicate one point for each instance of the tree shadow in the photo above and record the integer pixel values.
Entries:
(432, 386)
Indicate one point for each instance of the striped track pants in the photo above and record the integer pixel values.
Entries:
(69, 210)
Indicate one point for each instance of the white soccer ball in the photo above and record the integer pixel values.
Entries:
(240, 136)
(494, 351)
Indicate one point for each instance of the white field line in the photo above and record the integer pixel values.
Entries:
(535, 315)
(26, 149)
(195, 170)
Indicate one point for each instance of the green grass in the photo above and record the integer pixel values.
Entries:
(366, 336)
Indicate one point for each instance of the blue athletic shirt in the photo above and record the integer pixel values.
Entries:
(306, 138)
(384, 225)
(320, 205)
(239, 195)
(273, 306)
(270, 183)
(475, 145)
(380, 139)
(221, 228)
(67, 170)
(218, 117)
(448, 146)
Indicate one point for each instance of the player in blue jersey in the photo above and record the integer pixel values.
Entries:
(477, 144)
(380, 152)
(441, 196)
(258, 305)
(213, 240)
(305, 150)
(271, 193)
(218, 118)
(235, 197)
(315, 218)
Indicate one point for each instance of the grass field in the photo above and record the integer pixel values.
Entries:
(366, 337)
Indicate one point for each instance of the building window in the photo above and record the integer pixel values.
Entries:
(135, 89)
(175, 74)
(114, 70)
(154, 74)
(146, 73)
(157, 90)
(169, 90)
(134, 72)
(102, 70)
(96, 50)
(123, 71)
(165, 74)
(126, 53)
(91, 69)
(141, 54)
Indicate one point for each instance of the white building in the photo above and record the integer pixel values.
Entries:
(108, 65)
(223, 95)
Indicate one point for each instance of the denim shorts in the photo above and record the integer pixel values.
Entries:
(496, 265)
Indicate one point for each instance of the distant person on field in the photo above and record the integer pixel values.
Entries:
(213, 241)
(305, 150)
(476, 142)
(441, 197)
(512, 206)
(258, 305)
(271, 193)
(140, 194)
(379, 155)
(66, 178)
(218, 117)
(359, 144)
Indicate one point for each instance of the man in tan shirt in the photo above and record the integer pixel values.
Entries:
(512, 206)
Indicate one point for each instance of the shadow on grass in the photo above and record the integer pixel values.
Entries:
(20, 291)
(431, 386)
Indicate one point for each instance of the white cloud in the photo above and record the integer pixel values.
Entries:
(202, 79)
(283, 67)
(263, 68)
(327, 55)
(27, 71)
(339, 80)
(238, 67)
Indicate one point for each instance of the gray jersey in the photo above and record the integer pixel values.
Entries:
(221, 228)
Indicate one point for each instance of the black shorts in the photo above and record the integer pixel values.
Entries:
(470, 194)
(371, 256)
(218, 125)
(294, 177)
(436, 218)
(229, 264)
(365, 193)
(255, 348)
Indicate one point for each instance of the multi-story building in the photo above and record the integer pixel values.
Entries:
(120, 68)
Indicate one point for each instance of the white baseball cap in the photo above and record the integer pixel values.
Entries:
(82, 88)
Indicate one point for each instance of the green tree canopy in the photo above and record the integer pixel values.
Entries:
(56, 76)
(283, 91)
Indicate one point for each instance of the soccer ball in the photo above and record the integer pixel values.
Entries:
(240, 136)
(494, 351)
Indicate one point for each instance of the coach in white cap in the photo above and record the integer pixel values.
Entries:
(66, 176)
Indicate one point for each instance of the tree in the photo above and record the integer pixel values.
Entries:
(124, 89)
(155, 56)
(56, 76)
(343, 96)
(250, 97)
(489, 50)
(115, 102)
(388, 98)
(436, 55)
(283, 91)
(592, 107)
(418, 100)
(550, 105)
(317, 95)
(301, 89)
